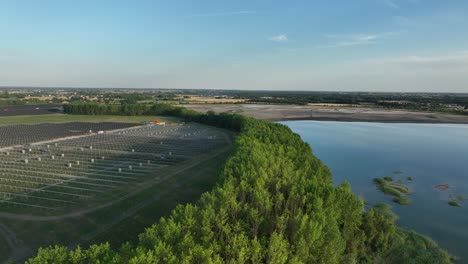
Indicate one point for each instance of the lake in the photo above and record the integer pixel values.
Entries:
(430, 153)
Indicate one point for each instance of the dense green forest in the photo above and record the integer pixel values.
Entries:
(275, 202)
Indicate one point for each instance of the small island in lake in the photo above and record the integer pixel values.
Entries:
(454, 200)
(397, 190)
(442, 187)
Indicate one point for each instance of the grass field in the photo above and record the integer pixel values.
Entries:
(62, 118)
(124, 220)
(4, 248)
(116, 215)
(182, 188)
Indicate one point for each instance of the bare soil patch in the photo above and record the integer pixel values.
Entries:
(331, 113)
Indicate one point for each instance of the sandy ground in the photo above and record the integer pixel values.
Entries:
(351, 114)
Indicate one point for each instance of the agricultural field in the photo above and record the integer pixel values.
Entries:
(21, 134)
(63, 118)
(68, 183)
(40, 109)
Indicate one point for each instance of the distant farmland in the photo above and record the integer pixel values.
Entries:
(42, 109)
(25, 134)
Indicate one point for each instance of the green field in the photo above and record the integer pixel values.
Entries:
(62, 118)
(183, 188)
(120, 222)
(4, 248)
(119, 214)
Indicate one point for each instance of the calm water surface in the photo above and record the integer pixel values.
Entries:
(430, 153)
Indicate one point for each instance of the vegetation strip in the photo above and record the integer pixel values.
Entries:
(397, 190)
(275, 202)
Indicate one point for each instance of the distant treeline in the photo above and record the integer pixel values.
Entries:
(122, 97)
(451, 103)
(383, 99)
(9, 99)
(274, 203)
(7, 102)
(223, 120)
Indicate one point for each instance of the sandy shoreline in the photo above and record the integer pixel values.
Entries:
(323, 113)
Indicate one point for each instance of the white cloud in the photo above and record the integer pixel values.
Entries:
(357, 39)
(455, 61)
(279, 38)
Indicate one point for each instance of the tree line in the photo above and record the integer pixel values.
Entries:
(275, 202)
(222, 120)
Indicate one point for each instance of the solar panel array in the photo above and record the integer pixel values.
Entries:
(24, 134)
(71, 173)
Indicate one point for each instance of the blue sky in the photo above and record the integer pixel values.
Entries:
(333, 45)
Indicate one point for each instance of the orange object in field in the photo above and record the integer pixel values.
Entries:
(156, 121)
